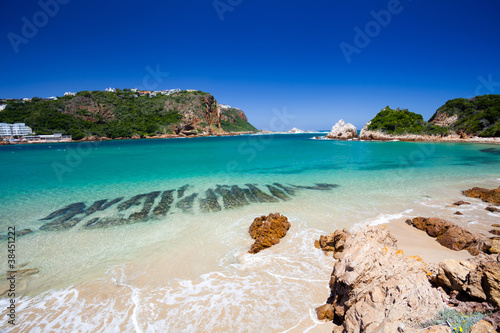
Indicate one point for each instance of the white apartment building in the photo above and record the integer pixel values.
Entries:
(69, 93)
(110, 89)
(5, 129)
(14, 129)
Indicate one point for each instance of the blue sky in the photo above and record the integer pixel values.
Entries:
(262, 55)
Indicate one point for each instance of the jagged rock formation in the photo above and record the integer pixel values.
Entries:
(343, 131)
(375, 288)
(451, 235)
(267, 231)
(477, 279)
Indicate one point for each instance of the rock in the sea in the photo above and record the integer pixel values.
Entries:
(375, 288)
(332, 243)
(460, 203)
(458, 213)
(23, 232)
(493, 209)
(450, 235)
(491, 196)
(343, 131)
(478, 277)
(267, 231)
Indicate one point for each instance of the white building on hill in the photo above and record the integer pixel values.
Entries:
(14, 129)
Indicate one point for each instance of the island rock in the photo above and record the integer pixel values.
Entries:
(343, 131)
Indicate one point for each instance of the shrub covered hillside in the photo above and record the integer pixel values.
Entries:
(479, 115)
(125, 114)
(399, 122)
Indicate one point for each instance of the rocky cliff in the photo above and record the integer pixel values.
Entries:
(126, 114)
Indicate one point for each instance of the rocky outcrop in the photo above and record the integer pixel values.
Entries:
(450, 235)
(491, 196)
(332, 243)
(343, 131)
(477, 279)
(267, 231)
(296, 130)
(375, 288)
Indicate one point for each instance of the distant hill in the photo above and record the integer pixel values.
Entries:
(479, 115)
(125, 113)
(402, 122)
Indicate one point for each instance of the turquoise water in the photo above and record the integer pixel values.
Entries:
(38, 178)
(153, 257)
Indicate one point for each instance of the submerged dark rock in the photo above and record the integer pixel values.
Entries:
(111, 203)
(60, 225)
(186, 204)
(259, 195)
(134, 201)
(105, 222)
(167, 198)
(66, 210)
(148, 204)
(181, 191)
(249, 195)
(228, 199)
(66, 217)
(278, 193)
(239, 195)
(287, 189)
(209, 203)
(96, 206)
(318, 187)
(23, 232)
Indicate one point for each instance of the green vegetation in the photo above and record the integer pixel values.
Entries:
(458, 322)
(232, 122)
(115, 114)
(400, 122)
(478, 116)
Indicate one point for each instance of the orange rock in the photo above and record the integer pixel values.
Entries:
(491, 196)
(267, 231)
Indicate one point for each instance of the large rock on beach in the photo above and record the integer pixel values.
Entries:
(491, 196)
(451, 235)
(343, 131)
(375, 288)
(267, 231)
(477, 278)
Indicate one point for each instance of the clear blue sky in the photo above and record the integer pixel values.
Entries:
(263, 55)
